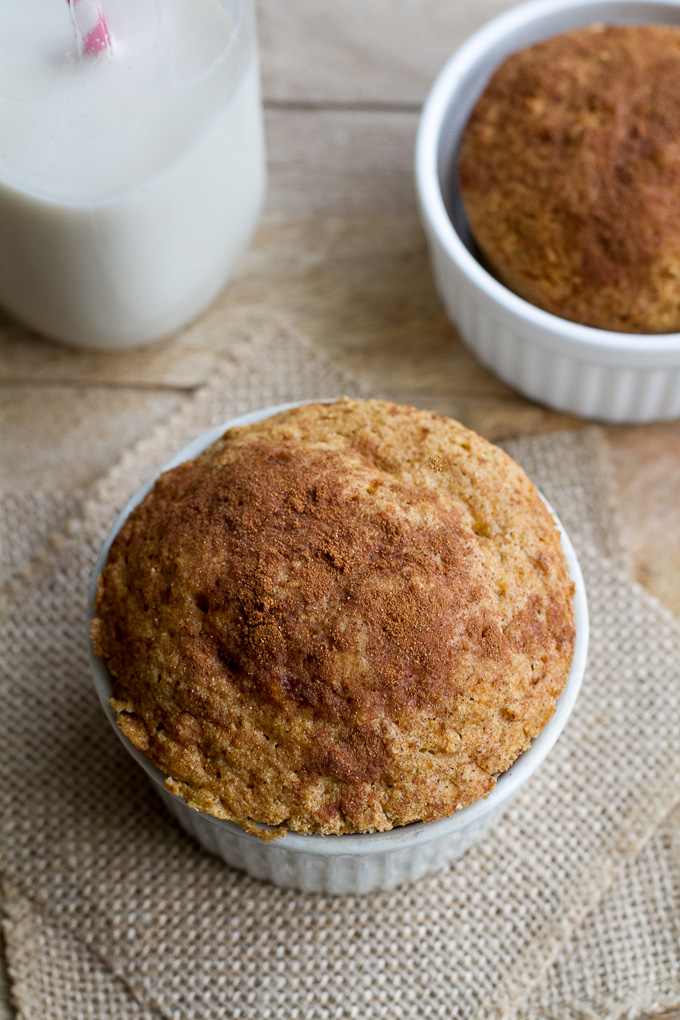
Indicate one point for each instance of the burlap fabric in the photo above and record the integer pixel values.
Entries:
(568, 910)
(27, 522)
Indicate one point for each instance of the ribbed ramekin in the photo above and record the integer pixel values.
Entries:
(594, 373)
(348, 864)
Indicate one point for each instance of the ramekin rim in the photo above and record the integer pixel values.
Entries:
(356, 843)
(434, 209)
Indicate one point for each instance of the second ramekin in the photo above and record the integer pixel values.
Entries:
(595, 373)
(348, 864)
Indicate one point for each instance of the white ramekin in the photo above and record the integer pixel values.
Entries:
(595, 373)
(347, 864)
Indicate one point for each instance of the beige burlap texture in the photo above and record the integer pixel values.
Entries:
(111, 911)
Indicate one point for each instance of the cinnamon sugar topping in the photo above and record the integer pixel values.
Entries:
(347, 617)
(570, 174)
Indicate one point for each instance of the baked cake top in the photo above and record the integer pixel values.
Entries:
(570, 176)
(346, 617)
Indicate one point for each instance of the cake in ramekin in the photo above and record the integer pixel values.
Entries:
(570, 176)
(344, 618)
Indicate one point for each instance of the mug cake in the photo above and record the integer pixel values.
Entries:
(570, 176)
(341, 619)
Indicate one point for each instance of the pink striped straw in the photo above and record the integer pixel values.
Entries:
(91, 27)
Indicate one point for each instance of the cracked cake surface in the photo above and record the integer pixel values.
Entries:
(570, 176)
(344, 618)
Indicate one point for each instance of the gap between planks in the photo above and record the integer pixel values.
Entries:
(340, 106)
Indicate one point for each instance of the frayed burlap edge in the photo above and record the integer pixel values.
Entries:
(145, 457)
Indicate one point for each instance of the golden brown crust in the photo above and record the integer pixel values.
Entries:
(348, 617)
(570, 175)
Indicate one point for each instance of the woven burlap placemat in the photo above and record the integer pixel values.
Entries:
(112, 911)
(27, 522)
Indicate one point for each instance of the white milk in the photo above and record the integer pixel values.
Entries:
(130, 184)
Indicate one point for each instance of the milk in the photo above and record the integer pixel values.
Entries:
(130, 183)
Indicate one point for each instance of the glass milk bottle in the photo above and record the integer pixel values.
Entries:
(131, 162)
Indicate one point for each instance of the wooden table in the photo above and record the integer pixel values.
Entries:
(340, 255)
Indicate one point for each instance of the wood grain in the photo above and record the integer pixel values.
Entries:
(361, 288)
(325, 163)
(354, 52)
(647, 463)
(340, 256)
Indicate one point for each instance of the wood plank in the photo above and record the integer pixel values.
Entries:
(340, 256)
(340, 162)
(647, 462)
(360, 286)
(350, 51)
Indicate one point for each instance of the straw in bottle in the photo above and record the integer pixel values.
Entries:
(91, 27)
